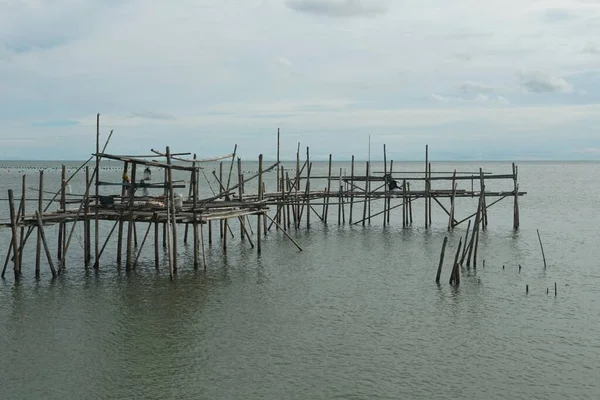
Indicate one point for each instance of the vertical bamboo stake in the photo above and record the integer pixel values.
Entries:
(451, 217)
(13, 225)
(190, 193)
(326, 205)
(97, 180)
(61, 229)
(156, 236)
(87, 236)
(455, 275)
(173, 210)
(425, 182)
(516, 201)
(210, 233)
(258, 219)
(389, 200)
(38, 254)
(23, 206)
(46, 248)
(278, 188)
(462, 259)
(542, 247)
(308, 187)
(296, 187)
(410, 214)
(351, 189)
(287, 197)
(340, 206)
(404, 205)
(439, 271)
(194, 184)
(240, 194)
(366, 193)
(124, 190)
(222, 231)
(385, 186)
(203, 248)
(132, 187)
(166, 194)
(429, 195)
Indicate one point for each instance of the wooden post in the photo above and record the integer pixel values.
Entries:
(426, 183)
(516, 201)
(464, 254)
(366, 193)
(23, 207)
(542, 247)
(190, 194)
(308, 187)
(389, 199)
(240, 194)
(278, 188)
(86, 221)
(15, 242)
(156, 236)
(455, 275)
(195, 214)
(296, 187)
(203, 248)
(124, 189)
(173, 210)
(439, 271)
(340, 199)
(166, 194)
(410, 214)
(429, 195)
(59, 247)
(326, 205)
(40, 208)
(258, 219)
(404, 205)
(351, 189)
(222, 231)
(451, 217)
(96, 204)
(132, 188)
(46, 248)
(385, 186)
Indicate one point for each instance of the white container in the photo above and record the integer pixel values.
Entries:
(178, 200)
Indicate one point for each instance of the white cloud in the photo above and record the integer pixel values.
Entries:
(224, 66)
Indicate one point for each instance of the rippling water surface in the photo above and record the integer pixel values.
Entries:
(356, 315)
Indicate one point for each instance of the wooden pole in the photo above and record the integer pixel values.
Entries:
(429, 195)
(285, 233)
(45, 243)
(23, 207)
(389, 199)
(13, 225)
(86, 221)
(194, 185)
(97, 180)
(351, 189)
(426, 183)
(137, 257)
(385, 187)
(190, 194)
(326, 205)
(173, 210)
(542, 247)
(404, 205)
(61, 225)
(203, 248)
(308, 187)
(410, 214)
(451, 216)
(156, 236)
(120, 231)
(455, 275)
(260, 194)
(516, 201)
(439, 271)
(464, 254)
(278, 159)
(38, 255)
(132, 188)
(366, 193)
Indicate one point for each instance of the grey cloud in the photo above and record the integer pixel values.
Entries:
(337, 8)
(470, 87)
(558, 15)
(539, 83)
(591, 49)
(153, 115)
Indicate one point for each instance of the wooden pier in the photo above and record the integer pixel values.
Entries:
(354, 198)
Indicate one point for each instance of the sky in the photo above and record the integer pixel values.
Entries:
(493, 79)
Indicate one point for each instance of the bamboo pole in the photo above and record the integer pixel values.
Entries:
(307, 191)
(241, 197)
(451, 216)
(352, 192)
(45, 243)
(38, 255)
(61, 225)
(132, 188)
(425, 182)
(389, 200)
(120, 232)
(190, 194)
(439, 271)
(14, 240)
(194, 184)
(516, 200)
(296, 187)
(367, 194)
(23, 207)
(455, 275)
(385, 186)
(203, 248)
(137, 257)
(97, 180)
(410, 214)
(429, 195)
(285, 233)
(156, 237)
(221, 227)
(86, 221)
(542, 247)
(260, 194)
(464, 254)
(173, 210)
(326, 206)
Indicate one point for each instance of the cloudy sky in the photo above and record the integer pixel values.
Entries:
(495, 79)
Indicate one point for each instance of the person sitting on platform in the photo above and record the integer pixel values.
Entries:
(391, 183)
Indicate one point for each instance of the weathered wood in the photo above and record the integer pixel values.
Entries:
(87, 248)
(22, 217)
(516, 221)
(156, 237)
(455, 275)
(541, 247)
(326, 206)
(260, 192)
(14, 240)
(120, 232)
(352, 193)
(173, 211)
(203, 248)
(38, 254)
(426, 181)
(61, 225)
(132, 188)
(451, 219)
(97, 197)
(285, 233)
(45, 243)
(464, 254)
(439, 271)
(364, 218)
(137, 257)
